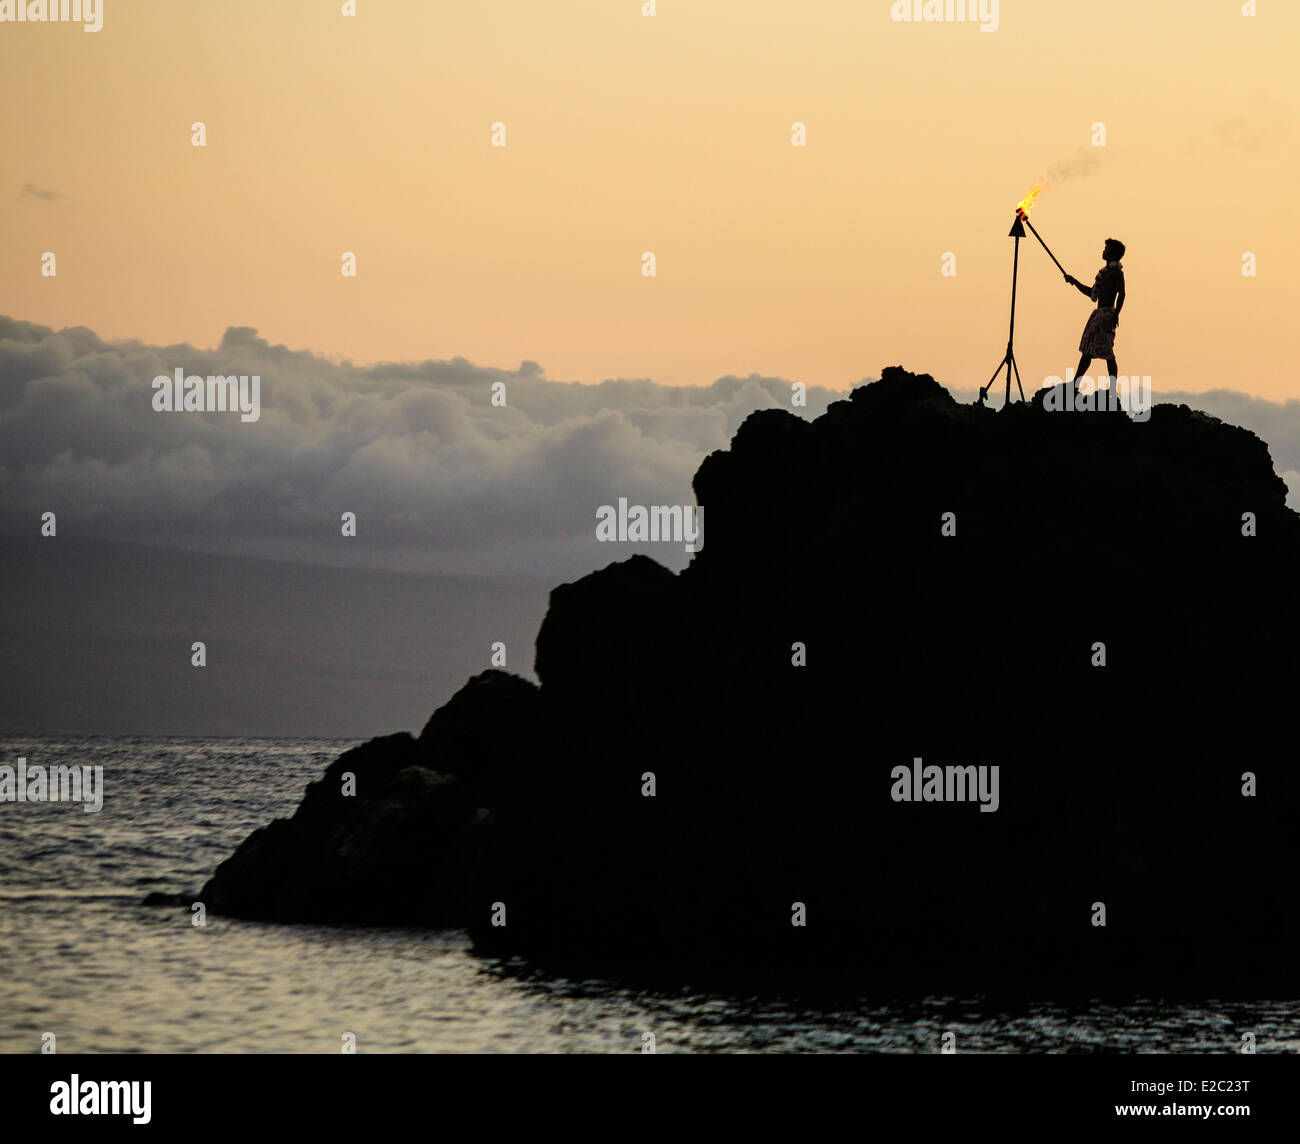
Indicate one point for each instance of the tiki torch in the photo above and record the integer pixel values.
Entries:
(1009, 358)
(1018, 232)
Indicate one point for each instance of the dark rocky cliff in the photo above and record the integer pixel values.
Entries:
(1120, 784)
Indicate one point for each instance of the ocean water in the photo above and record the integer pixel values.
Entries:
(82, 959)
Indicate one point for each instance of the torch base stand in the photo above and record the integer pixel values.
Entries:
(1008, 360)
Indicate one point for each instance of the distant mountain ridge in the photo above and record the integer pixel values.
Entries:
(95, 638)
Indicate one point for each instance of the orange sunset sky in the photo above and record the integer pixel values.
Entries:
(672, 133)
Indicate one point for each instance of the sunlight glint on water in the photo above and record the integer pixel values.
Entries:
(84, 960)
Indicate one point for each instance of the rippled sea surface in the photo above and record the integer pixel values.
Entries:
(81, 958)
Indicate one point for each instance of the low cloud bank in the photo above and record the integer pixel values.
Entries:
(438, 475)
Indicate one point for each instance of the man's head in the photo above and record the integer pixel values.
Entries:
(1113, 250)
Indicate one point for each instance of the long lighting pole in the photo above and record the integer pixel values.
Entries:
(1038, 236)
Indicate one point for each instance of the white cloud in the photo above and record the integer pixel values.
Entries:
(439, 477)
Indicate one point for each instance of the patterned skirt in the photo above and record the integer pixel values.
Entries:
(1099, 334)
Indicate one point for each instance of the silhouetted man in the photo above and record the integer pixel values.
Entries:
(1107, 290)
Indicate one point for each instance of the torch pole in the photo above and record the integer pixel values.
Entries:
(1011, 333)
(1044, 245)
(1009, 358)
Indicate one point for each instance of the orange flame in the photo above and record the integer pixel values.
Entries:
(1024, 205)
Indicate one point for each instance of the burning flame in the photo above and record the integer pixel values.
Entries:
(1024, 205)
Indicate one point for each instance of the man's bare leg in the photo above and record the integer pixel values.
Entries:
(1084, 363)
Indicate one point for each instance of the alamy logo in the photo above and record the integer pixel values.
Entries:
(87, 12)
(102, 1098)
(981, 12)
(53, 784)
(683, 524)
(214, 394)
(946, 784)
(1084, 394)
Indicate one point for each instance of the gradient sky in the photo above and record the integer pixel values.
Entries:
(669, 133)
